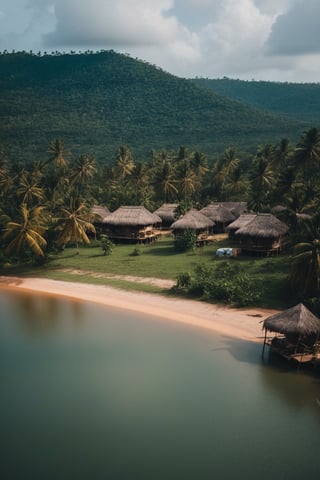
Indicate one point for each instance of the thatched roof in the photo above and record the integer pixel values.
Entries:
(237, 208)
(240, 222)
(99, 212)
(297, 320)
(132, 216)
(218, 213)
(192, 220)
(264, 225)
(167, 211)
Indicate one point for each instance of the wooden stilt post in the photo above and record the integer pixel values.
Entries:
(264, 342)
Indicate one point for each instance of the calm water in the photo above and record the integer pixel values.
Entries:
(91, 393)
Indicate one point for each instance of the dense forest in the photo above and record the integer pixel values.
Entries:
(99, 101)
(296, 100)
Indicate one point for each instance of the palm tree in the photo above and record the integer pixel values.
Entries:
(164, 180)
(199, 164)
(138, 182)
(5, 179)
(305, 265)
(28, 234)
(261, 183)
(82, 171)
(58, 154)
(230, 163)
(124, 162)
(29, 191)
(18, 173)
(73, 224)
(56, 189)
(305, 268)
(282, 154)
(307, 152)
(286, 182)
(188, 181)
(236, 184)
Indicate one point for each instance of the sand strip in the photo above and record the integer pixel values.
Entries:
(241, 323)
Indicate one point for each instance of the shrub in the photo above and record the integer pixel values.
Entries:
(136, 252)
(226, 283)
(183, 280)
(106, 244)
(185, 241)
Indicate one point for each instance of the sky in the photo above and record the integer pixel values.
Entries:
(276, 40)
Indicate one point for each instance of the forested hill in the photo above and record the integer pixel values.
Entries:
(96, 102)
(298, 100)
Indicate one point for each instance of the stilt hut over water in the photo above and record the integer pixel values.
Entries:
(264, 234)
(168, 212)
(132, 223)
(196, 221)
(220, 215)
(296, 334)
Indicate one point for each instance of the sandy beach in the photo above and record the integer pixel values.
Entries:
(243, 323)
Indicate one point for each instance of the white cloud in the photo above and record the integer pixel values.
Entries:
(121, 23)
(233, 42)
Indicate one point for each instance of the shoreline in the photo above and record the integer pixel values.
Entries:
(242, 323)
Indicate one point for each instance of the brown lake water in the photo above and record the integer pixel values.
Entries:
(89, 392)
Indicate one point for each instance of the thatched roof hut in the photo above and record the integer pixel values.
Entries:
(237, 208)
(193, 220)
(132, 216)
(264, 225)
(99, 213)
(240, 222)
(168, 212)
(265, 233)
(297, 320)
(299, 331)
(220, 215)
(132, 223)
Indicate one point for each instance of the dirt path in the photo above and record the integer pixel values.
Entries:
(158, 282)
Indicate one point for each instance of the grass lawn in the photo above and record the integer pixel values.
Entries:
(160, 260)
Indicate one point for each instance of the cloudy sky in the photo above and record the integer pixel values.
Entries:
(247, 39)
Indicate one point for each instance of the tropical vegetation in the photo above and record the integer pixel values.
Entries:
(105, 129)
(46, 206)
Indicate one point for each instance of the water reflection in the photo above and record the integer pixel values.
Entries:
(299, 388)
(40, 315)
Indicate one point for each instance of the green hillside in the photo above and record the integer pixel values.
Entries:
(298, 100)
(98, 101)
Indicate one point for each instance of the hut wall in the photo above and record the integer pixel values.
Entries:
(219, 227)
(132, 233)
(261, 244)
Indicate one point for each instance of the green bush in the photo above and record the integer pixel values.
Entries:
(185, 241)
(184, 280)
(226, 283)
(136, 252)
(106, 244)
